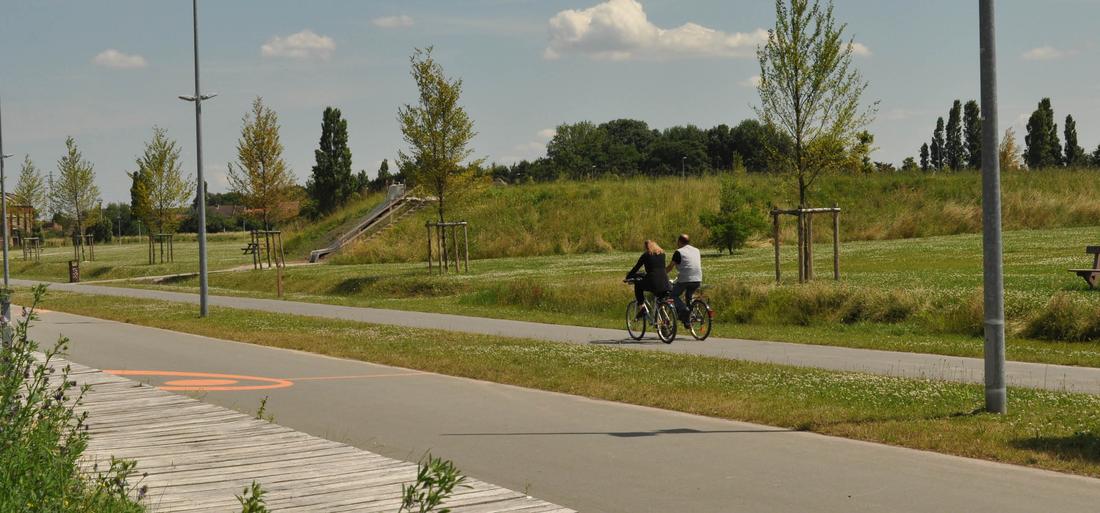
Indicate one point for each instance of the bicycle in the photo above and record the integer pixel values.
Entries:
(660, 314)
(701, 316)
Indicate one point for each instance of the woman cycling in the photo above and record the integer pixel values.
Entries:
(656, 278)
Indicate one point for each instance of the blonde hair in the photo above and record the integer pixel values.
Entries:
(652, 248)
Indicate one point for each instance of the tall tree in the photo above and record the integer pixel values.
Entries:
(1075, 154)
(159, 190)
(810, 90)
(972, 133)
(438, 132)
(924, 164)
(954, 148)
(332, 182)
(938, 151)
(74, 194)
(1008, 153)
(261, 175)
(1043, 148)
(31, 188)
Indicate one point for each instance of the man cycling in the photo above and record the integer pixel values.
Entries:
(689, 276)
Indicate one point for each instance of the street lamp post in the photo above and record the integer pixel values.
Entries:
(5, 297)
(992, 258)
(201, 202)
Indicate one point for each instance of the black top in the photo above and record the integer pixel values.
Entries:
(655, 276)
(676, 257)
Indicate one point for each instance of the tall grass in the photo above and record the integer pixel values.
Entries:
(615, 215)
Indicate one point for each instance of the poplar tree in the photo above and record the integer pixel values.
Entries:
(332, 182)
(954, 148)
(1075, 154)
(1043, 148)
(924, 165)
(972, 134)
(937, 148)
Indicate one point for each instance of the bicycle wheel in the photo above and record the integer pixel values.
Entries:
(666, 322)
(701, 318)
(634, 326)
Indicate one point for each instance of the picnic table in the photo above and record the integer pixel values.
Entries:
(1091, 276)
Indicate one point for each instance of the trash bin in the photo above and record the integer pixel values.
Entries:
(74, 271)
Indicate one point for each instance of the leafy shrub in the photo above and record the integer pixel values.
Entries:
(738, 217)
(42, 437)
(436, 480)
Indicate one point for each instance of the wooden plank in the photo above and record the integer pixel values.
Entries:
(198, 456)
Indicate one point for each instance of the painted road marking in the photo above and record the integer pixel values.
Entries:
(211, 382)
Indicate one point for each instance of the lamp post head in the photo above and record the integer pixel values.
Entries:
(188, 98)
(6, 155)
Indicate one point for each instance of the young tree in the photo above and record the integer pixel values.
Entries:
(162, 190)
(74, 194)
(1043, 147)
(332, 183)
(1075, 154)
(955, 148)
(438, 132)
(938, 151)
(261, 175)
(1008, 153)
(972, 134)
(810, 91)
(738, 217)
(31, 188)
(909, 164)
(924, 164)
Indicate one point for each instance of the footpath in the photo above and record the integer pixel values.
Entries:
(584, 454)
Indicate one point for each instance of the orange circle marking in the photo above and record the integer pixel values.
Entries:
(209, 382)
(200, 382)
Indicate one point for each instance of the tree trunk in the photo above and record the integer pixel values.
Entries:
(443, 234)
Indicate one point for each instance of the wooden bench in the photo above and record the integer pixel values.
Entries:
(1091, 276)
(250, 249)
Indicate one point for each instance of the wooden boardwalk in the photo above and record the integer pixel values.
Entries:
(198, 456)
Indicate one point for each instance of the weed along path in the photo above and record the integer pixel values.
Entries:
(891, 363)
(590, 455)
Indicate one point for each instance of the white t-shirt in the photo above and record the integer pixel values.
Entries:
(689, 266)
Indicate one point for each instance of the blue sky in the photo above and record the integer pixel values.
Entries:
(105, 72)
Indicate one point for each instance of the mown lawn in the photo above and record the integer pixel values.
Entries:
(1057, 431)
(917, 295)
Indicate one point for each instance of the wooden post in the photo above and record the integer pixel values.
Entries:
(836, 242)
(466, 241)
(454, 237)
(801, 249)
(775, 237)
(279, 281)
(429, 228)
(810, 246)
(439, 246)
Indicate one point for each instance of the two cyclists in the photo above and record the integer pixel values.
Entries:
(689, 275)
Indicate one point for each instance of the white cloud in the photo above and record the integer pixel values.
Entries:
(547, 133)
(401, 21)
(861, 50)
(303, 45)
(1043, 53)
(620, 30)
(753, 82)
(111, 58)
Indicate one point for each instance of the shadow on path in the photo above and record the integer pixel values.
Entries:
(632, 434)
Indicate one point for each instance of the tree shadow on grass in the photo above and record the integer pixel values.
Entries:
(1078, 446)
(351, 286)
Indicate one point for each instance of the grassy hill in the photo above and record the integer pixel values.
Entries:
(616, 215)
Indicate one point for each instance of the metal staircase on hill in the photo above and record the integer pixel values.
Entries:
(398, 205)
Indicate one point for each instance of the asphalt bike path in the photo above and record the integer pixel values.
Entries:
(590, 455)
(890, 363)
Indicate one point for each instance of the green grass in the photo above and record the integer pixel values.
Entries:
(131, 260)
(1050, 430)
(915, 295)
(608, 215)
(316, 235)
